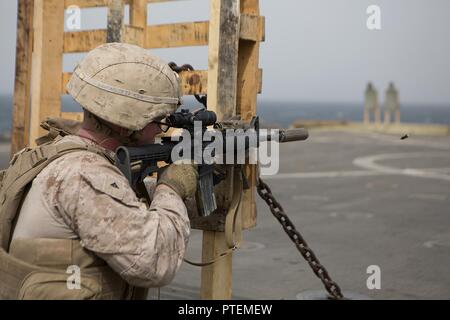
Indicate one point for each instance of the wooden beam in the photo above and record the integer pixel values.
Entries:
(250, 7)
(157, 36)
(222, 81)
(260, 80)
(115, 21)
(86, 3)
(133, 35)
(21, 105)
(217, 278)
(197, 33)
(47, 63)
(192, 82)
(77, 116)
(177, 35)
(64, 81)
(248, 87)
(138, 13)
(138, 19)
(252, 28)
(83, 41)
(102, 3)
(162, 35)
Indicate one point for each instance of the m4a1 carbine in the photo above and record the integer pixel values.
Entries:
(234, 138)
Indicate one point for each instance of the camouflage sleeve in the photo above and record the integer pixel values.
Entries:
(144, 245)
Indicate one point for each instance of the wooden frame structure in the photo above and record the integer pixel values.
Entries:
(232, 81)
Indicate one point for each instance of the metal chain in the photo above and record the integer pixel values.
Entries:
(277, 210)
(188, 67)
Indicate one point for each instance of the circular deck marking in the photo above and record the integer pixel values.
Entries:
(429, 196)
(251, 246)
(310, 197)
(375, 169)
(324, 174)
(440, 240)
(370, 164)
(351, 215)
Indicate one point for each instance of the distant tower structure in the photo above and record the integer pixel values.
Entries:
(391, 104)
(371, 104)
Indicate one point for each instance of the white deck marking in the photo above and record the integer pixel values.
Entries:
(324, 174)
(375, 169)
(429, 196)
(369, 163)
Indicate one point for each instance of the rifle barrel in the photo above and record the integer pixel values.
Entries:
(288, 135)
(285, 135)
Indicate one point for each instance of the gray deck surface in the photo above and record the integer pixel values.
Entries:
(359, 200)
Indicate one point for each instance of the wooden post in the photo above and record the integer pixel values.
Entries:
(21, 105)
(248, 85)
(222, 89)
(138, 15)
(115, 21)
(216, 279)
(138, 23)
(47, 63)
(223, 62)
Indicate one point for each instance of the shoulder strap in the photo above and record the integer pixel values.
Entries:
(57, 127)
(24, 167)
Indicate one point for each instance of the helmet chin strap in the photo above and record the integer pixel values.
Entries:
(106, 135)
(118, 133)
(107, 142)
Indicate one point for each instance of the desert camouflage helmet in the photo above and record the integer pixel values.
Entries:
(125, 85)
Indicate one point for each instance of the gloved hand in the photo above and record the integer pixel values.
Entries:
(181, 177)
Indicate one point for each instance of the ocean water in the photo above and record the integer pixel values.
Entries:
(5, 115)
(284, 113)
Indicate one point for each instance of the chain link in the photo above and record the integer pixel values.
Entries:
(319, 270)
(277, 210)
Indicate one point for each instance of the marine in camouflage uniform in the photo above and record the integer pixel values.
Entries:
(80, 209)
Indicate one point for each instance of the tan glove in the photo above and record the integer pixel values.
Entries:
(180, 177)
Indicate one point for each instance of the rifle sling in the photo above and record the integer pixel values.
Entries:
(233, 223)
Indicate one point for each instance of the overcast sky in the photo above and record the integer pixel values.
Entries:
(315, 50)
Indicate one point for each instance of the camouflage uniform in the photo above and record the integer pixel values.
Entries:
(83, 196)
(78, 209)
